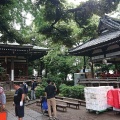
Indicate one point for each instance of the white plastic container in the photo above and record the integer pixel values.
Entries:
(96, 98)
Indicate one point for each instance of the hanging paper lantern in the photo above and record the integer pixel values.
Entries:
(104, 61)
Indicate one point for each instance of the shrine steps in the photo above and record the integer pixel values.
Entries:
(9, 96)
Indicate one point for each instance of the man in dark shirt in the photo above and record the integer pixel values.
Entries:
(50, 93)
(19, 101)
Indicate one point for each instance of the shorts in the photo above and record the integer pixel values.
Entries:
(19, 111)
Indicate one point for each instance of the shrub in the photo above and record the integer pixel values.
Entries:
(71, 83)
(72, 91)
(64, 90)
(39, 91)
(77, 92)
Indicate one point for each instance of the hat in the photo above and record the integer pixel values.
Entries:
(1, 90)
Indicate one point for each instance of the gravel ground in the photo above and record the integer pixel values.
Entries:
(81, 114)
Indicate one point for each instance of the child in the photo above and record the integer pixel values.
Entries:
(44, 106)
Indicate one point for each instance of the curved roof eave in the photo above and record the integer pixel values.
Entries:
(97, 41)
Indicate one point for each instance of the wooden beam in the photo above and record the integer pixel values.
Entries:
(7, 56)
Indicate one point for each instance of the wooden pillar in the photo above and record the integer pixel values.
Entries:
(46, 71)
(92, 70)
(84, 65)
(27, 67)
(40, 70)
(12, 69)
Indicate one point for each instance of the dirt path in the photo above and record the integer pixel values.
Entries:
(81, 114)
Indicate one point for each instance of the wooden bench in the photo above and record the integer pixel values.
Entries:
(38, 103)
(64, 107)
(82, 102)
(59, 100)
(72, 103)
(58, 97)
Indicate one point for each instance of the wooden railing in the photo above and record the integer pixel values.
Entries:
(98, 82)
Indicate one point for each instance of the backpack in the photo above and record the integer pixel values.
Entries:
(25, 88)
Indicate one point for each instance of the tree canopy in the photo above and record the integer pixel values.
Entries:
(58, 17)
(53, 20)
(11, 13)
(56, 24)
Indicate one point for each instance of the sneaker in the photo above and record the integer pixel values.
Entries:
(50, 118)
(55, 118)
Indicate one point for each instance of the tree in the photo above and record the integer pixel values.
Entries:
(52, 20)
(58, 17)
(11, 13)
(60, 64)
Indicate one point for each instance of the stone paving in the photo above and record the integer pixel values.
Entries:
(32, 112)
(29, 114)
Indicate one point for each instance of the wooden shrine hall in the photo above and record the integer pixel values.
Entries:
(106, 47)
(14, 60)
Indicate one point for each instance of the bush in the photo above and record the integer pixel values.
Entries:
(39, 91)
(64, 90)
(71, 83)
(77, 92)
(72, 91)
(44, 82)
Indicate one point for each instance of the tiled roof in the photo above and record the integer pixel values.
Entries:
(16, 45)
(97, 41)
(108, 24)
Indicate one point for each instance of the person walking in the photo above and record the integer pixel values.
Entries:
(50, 93)
(33, 85)
(2, 98)
(19, 101)
(25, 88)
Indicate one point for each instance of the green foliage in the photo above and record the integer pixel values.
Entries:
(64, 90)
(118, 67)
(58, 64)
(39, 91)
(59, 18)
(44, 82)
(30, 70)
(108, 67)
(11, 13)
(56, 14)
(69, 83)
(72, 91)
(56, 25)
(56, 79)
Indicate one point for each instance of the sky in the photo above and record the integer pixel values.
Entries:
(28, 20)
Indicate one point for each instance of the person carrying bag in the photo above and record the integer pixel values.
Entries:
(3, 113)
